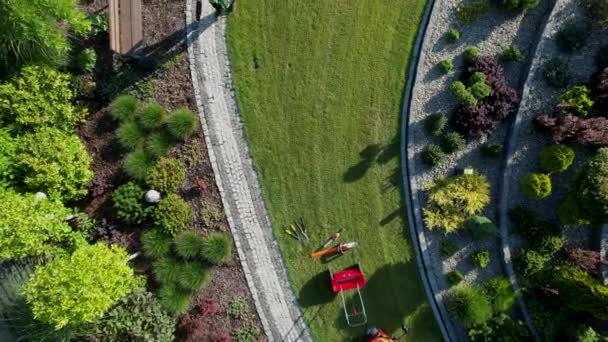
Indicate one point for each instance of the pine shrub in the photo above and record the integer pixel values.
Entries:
(591, 187)
(156, 244)
(172, 214)
(129, 203)
(167, 175)
(512, 54)
(182, 123)
(166, 270)
(453, 142)
(130, 135)
(462, 94)
(581, 292)
(175, 299)
(138, 164)
(435, 124)
(536, 185)
(216, 248)
(192, 276)
(468, 305)
(446, 66)
(501, 293)
(152, 116)
(189, 244)
(556, 158)
(471, 53)
(480, 259)
(453, 35)
(432, 154)
(557, 73)
(481, 227)
(124, 107)
(159, 144)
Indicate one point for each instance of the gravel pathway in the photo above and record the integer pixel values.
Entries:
(236, 178)
(490, 34)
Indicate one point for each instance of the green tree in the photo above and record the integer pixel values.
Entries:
(31, 226)
(35, 31)
(80, 288)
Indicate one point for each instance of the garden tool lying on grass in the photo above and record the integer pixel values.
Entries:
(302, 227)
(333, 238)
(298, 230)
(341, 249)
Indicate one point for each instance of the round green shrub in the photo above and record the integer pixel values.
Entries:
(432, 154)
(550, 244)
(591, 187)
(577, 99)
(159, 144)
(446, 66)
(573, 36)
(454, 278)
(468, 305)
(452, 142)
(501, 293)
(156, 244)
(512, 54)
(138, 164)
(54, 162)
(192, 276)
(435, 124)
(449, 247)
(189, 244)
(86, 60)
(174, 298)
(536, 185)
(453, 35)
(477, 77)
(531, 262)
(557, 73)
(216, 248)
(129, 203)
(182, 123)
(167, 175)
(480, 258)
(462, 94)
(130, 135)
(40, 97)
(173, 214)
(471, 53)
(8, 156)
(491, 150)
(480, 90)
(124, 107)
(556, 158)
(481, 227)
(152, 116)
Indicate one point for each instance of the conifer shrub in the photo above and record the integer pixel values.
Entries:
(446, 66)
(591, 187)
(138, 164)
(454, 278)
(556, 158)
(570, 212)
(581, 292)
(470, 53)
(573, 36)
(453, 141)
(501, 293)
(156, 244)
(453, 35)
(435, 124)
(172, 214)
(182, 123)
(129, 203)
(557, 73)
(468, 305)
(512, 54)
(216, 248)
(167, 175)
(152, 116)
(192, 275)
(449, 247)
(536, 185)
(577, 100)
(175, 299)
(432, 154)
(159, 144)
(124, 107)
(470, 11)
(189, 244)
(130, 135)
(481, 228)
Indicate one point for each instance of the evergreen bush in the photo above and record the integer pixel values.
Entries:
(469, 305)
(471, 10)
(130, 135)
(156, 244)
(172, 214)
(167, 175)
(480, 259)
(432, 154)
(481, 227)
(556, 158)
(8, 156)
(581, 292)
(591, 187)
(138, 164)
(189, 244)
(470, 53)
(577, 100)
(557, 73)
(449, 247)
(453, 35)
(454, 278)
(570, 212)
(501, 293)
(175, 299)
(536, 185)
(124, 107)
(182, 123)
(435, 124)
(573, 36)
(159, 144)
(453, 142)
(152, 116)
(446, 66)
(216, 248)
(192, 275)
(129, 203)
(512, 54)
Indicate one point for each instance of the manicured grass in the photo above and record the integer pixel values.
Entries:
(320, 86)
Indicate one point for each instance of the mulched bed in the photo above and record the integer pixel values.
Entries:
(163, 76)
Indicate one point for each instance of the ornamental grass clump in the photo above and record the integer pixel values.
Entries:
(536, 185)
(189, 244)
(167, 175)
(130, 136)
(182, 123)
(192, 275)
(556, 158)
(432, 154)
(435, 124)
(156, 244)
(124, 107)
(452, 142)
(138, 164)
(172, 214)
(469, 305)
(216, 248)
(152, 116)
(454, 200)
(129, 203)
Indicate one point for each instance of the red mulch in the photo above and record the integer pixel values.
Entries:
(207, 320)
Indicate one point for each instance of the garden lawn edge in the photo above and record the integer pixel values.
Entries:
(280, 314)
(412, 203)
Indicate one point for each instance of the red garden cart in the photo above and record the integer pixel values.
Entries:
(350, 279)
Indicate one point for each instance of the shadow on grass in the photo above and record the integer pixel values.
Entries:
(316, 291)
(373, 153)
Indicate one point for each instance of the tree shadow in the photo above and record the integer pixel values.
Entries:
(316, 291)
(393, 215)
(368, 155)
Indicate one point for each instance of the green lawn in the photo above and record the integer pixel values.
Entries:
(320, 86)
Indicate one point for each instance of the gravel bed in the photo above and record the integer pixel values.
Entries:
(539, 98)
(490, 34)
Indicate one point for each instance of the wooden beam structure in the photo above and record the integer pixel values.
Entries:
(126, 25)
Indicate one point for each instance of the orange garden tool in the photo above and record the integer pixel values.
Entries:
(341, 248)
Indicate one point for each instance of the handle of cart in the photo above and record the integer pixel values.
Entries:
(351, 279)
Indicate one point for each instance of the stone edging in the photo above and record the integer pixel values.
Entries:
(505, 224)
(236, 179)
(411, 202)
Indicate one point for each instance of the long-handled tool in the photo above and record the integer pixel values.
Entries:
(302, 227)
(291, 231)
(341, 248)
(333, 238)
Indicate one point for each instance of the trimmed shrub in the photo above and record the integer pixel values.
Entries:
(470, 53)
(8, 156)
(577, 100)
(70, 290)
(130, 135)
(152, 116)
(435, 124)
(556, 158)
(446, 66)
(536, 185)
(462, 94)
(129, 203)
(480, 258)
(182, 123)
(156, 244)
(172, 214)
(481, 228)
(192, 276)
(432, 154)
(557, 73)
(86, 60)
(138, 164)
(500, 328)
(491, 150)
(449, 247)
(54, 162)
(453, 142)
(471, 10)
(573, 36)
(501, 293)
(174, 299)
(571, 213)
(469, 305)
(591, 187)
(581, 292)
(167, 175)
(216, 248)
(511, 54)
(452, 201)
(138, 316)
(39, 97)
(454, 278)
(453, 35)
(189, 244)
(124, 107)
